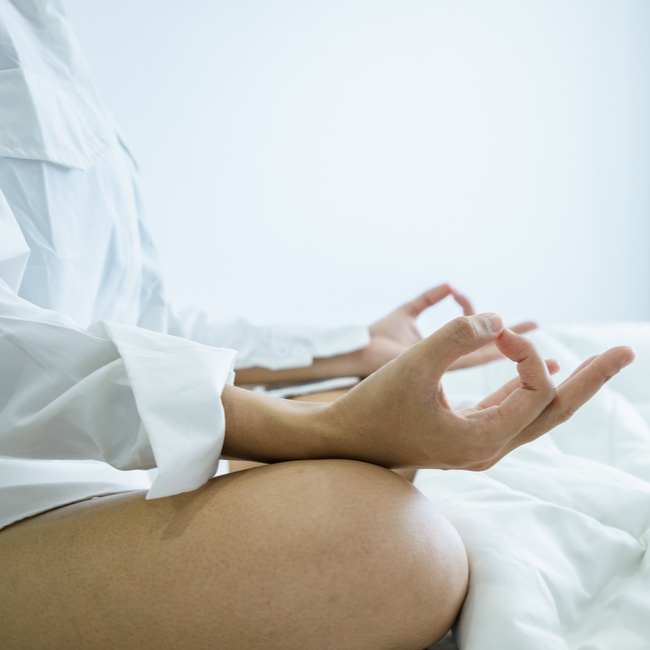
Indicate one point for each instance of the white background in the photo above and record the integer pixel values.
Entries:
(320, 162)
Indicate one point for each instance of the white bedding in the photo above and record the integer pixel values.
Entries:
(556, 533)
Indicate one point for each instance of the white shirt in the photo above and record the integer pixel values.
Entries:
(99, 377)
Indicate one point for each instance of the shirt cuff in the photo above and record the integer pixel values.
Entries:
(297, 347)
(177, 386)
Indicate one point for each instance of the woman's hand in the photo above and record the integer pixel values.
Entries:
(397, 332)
(389, 337)
(399, 417)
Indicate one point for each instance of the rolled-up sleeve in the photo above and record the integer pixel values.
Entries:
(275, 347)
(130, 397)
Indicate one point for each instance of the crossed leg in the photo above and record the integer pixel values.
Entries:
(328, 554)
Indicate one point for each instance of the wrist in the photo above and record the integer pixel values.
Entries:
(267, 429)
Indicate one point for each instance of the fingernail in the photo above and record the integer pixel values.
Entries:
(629, 361)
(494, 320)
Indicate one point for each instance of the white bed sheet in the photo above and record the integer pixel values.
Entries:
(557, 532)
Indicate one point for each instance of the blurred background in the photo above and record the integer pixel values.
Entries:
(322, 162)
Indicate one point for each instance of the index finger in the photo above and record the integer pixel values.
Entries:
(499, 395)
(522, 328)
(429, 298)
(527, 401)
(464, 302)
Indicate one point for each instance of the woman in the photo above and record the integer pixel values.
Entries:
(101, 379)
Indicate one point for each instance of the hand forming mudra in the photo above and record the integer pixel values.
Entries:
(399, 417)
(398, 331)
(389, 337)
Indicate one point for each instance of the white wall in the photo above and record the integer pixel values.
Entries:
(322, 161)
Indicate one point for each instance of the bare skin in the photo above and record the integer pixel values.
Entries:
(389, 337)
(331, 554)
(399, 416)
(313, 553)
(327, 396)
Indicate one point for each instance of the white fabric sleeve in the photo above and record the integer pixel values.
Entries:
(132, 398)
(272, 347)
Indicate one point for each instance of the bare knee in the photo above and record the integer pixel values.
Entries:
(351, 549)
(318, 554)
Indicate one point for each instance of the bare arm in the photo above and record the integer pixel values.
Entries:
(399, 416)
(341, 365)
(389, 337)
(327, 396)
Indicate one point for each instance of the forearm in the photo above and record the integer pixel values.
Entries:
(399, 416)
(267, 429)
(329, 396)
(341, 365)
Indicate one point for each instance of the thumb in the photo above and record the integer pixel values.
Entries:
(460, 337)
(427, 299)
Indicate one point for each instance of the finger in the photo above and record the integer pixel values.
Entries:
(478, 358)
(496, 398)
(491, 352)
(573, 393)
(464, 302)
(427, 299)
(584, 364)
(457, 338)
(527, 401)
(522, 328)
(553, 366)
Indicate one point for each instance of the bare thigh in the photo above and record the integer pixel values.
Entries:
(319, 554)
